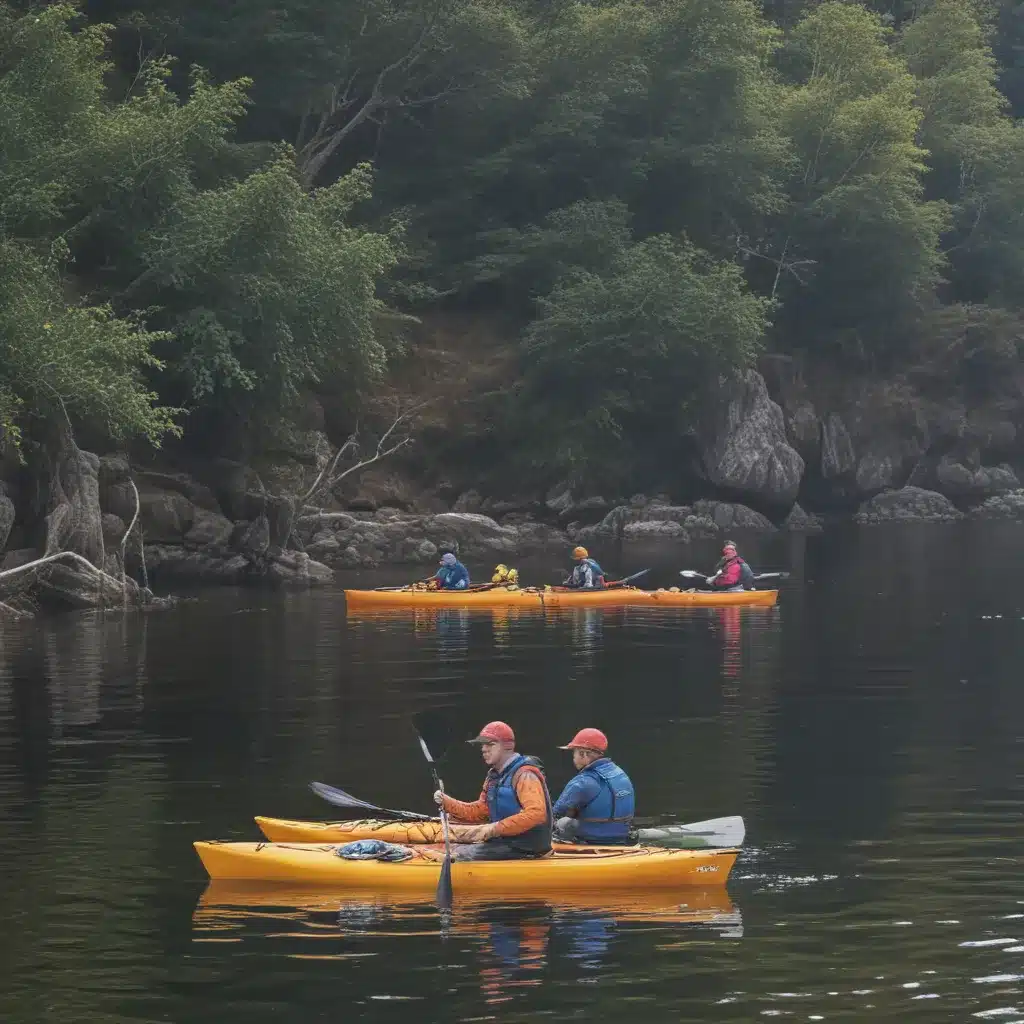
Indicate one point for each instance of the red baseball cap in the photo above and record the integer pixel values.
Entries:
(588, 739)
(493, 732)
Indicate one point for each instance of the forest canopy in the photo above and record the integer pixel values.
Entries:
(207, 210)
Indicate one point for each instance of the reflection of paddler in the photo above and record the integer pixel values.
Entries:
(515, 952)
(589, 937)
(732, 636)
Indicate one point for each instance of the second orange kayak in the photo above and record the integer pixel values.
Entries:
(530, 597)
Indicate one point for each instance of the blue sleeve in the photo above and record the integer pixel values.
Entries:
(577, 794)
(461, 575)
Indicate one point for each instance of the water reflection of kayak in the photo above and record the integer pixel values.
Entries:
(225, 904)
(569, 868)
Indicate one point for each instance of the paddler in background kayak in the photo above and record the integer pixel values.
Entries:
(731, 572)
(514, 803)
(587, 574)
(597, 805)
(452, 575)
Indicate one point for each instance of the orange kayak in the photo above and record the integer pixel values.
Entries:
(568, 869)
(417, 833)
(531, 597)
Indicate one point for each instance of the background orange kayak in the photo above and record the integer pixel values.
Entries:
(618, 597)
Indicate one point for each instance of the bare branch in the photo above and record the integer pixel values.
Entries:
(124, 539)
(332, 131)
(83, 563)
(329, 477)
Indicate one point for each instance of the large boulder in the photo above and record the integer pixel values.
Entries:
(742, 442)
(209, 530)
(297, 569)
(166, 516)
(908, 504)
(730, 516)
(470, 533)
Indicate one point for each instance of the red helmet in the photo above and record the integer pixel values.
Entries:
(495, 732)
(588, 739)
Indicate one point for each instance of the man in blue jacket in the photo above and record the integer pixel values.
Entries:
(452, 575)
(597, 805)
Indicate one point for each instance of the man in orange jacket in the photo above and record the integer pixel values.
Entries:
(514, 803)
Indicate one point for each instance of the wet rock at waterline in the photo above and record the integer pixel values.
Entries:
(908, 504)
(1002, 506)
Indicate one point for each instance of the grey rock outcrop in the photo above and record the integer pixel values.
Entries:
(1002, 506)
(742, 442)
(729, 516)
(908, 504)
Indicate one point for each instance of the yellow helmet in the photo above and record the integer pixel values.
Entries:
(580, 553)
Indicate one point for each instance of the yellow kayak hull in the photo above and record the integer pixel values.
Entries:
(567, 870)
(505, 597)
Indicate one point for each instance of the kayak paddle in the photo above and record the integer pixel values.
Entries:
(613, 583)
(692, 574)
(628, 579)
(444, 883)
(339, 798)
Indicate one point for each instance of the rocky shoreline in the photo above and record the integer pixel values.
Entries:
(762, 456)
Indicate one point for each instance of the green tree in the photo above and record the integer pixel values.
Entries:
(975, 150)
(857, 253)
(254, 285)
(57, 356)
(617, 355)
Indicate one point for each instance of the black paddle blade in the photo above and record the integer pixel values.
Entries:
(434, 728)
(444, 885)
(339, 798)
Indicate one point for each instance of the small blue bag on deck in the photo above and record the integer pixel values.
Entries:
(373, 849)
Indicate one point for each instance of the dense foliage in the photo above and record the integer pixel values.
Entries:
(208, 209)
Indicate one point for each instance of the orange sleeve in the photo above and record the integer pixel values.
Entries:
(470, 812)
(530, 793)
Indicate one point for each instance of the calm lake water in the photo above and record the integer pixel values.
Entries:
(870, 729)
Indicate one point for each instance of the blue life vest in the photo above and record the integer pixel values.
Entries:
(595, 569)
(502, 802)
(608, 816)
(453, 577)
(746, 576)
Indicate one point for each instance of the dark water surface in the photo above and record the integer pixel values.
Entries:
(870, 729)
